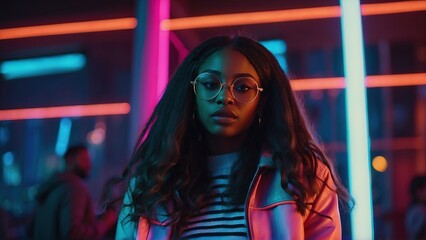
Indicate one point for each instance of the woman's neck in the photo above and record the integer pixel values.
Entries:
(218, 145)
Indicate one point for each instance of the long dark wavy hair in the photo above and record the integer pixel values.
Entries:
(168, 166)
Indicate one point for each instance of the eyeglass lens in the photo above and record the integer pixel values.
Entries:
(243, 89)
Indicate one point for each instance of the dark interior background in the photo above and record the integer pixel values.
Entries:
(394, 44)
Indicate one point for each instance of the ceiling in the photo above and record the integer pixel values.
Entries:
(299, 35)
(396, 26)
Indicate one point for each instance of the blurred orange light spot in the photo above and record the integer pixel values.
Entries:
(97, 136)
(380, 163)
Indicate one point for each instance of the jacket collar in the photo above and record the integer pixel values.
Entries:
(266, 159)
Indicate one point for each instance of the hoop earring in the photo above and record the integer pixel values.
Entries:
(198, 132)
(260, 118)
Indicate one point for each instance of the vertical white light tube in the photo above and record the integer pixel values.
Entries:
(356, 118)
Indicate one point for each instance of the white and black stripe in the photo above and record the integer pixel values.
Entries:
(217, 219)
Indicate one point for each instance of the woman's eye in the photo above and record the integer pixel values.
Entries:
(210, 85)
(243, 88)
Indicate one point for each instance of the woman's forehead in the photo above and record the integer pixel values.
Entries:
(228, 62)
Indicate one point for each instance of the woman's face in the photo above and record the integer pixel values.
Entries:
(223, 115)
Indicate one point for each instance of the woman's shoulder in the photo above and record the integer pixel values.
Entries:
(322, 171)
(269, 191)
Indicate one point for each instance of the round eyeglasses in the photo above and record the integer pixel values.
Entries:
(207, 86)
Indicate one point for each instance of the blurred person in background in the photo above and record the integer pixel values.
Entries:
(415, 219)
(112, 189)
(64, 208)
(3, 224)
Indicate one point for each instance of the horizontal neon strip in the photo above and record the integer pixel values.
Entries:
(31, 67)
(318, 83)
(220, 20)
(223, 20)
(415, 143)
(65, 111)
(393, 144)
(69, 28)
(394, 80)
(124, 108)
(392, 7)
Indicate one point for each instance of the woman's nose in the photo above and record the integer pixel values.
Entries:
(225, 96)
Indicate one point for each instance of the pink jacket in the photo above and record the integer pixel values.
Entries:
(270, 211)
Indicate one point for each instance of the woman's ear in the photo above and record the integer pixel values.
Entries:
(194, 111)
(262, 103)
(260, 108)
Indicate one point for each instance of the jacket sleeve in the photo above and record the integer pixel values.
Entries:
(77, 217)
(126, 229)
(323, 221)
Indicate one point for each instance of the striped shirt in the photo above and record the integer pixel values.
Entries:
(216, 219)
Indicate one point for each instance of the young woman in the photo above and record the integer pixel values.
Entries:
(227, 153)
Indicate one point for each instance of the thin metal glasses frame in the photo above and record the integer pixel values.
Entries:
(258, 89)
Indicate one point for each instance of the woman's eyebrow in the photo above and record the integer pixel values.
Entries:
(214, 72)
(238, 75)
(218, 73)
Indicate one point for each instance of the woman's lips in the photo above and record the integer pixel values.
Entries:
(224, 116)
(224, 120)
